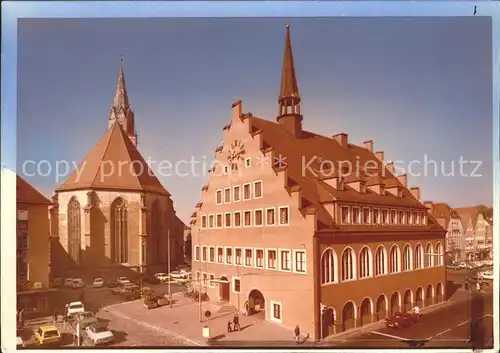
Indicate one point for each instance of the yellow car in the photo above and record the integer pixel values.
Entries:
(48, 335)
(162, 277)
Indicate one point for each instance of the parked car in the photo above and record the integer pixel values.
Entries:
(112, 284)
(48, 335)
(99, 334)
(74, 308)
(399, 320)
(57, 282)
(178, 275)
(98, 282)
(150, 304)
(122, 280)
(162, 277)
(87, 318)
(68, 282)
(150, 279)
(78, 283)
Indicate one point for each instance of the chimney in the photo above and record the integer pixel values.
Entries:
(415, 191)
(368, 145)
(402, 179)
(429, 205)
(341, 139)
(237, 110)
(390, 167)
(380, 156)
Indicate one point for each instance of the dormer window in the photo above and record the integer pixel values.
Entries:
(393, 217)
(376, 216)
(416, 218)
(344, 214)
(401, 217)
(366, 215)
(385, 217)
(408, 217)
(424, 219)
(356, 215)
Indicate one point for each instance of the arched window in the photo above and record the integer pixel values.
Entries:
(157, 247)
(394, 259)
(380, 261)
(419, 256)
(348, 265)
(439, 254)
(365, 262)
(429, 254)
(407, 258)
(119, 231)
(74, 230)
(329, 267)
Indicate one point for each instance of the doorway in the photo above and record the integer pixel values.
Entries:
(257, 304)
(224, 289)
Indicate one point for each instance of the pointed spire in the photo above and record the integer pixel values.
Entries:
(121, 97)
(289, 87)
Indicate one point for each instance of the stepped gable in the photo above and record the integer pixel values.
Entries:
(114, 164)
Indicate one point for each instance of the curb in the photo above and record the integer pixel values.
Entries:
(156, 328)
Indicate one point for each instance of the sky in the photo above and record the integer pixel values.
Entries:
(421, 89)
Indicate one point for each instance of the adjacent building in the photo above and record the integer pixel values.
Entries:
(312, 229)
(477, 231)
(112, 215)
(32, 248)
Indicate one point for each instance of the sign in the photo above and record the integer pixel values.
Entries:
(22, 215)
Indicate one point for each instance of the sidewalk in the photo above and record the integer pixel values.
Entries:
(182, 323)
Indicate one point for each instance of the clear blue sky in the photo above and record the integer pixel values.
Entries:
(415, 86)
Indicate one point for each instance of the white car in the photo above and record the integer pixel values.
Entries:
(78, 283)
(122, 281)
(74, 308)
(68, 282)
(178, 275)
(98, 334)
(98, 282)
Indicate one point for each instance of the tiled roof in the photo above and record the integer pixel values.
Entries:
(26, 193)
(467, 213)
(114, 164)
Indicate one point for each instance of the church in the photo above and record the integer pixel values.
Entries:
(112, 216)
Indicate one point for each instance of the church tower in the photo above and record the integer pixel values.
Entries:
(120, 110)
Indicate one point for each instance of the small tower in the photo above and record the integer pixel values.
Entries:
(289, 99)
(120, 110)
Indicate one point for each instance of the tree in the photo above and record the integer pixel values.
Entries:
(187, 247)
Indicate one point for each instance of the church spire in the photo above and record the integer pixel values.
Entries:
(289, 99)
(120, 110)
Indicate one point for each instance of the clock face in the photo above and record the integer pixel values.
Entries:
(236, 152)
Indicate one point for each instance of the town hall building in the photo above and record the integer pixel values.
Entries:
(290, 222)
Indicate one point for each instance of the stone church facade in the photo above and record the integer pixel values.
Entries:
(112, 216)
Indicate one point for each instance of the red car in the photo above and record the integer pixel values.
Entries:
(399, 320)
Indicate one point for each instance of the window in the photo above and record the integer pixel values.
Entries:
(211, 283)
(237, 219)
(300, 261)
(257, 189)
(218, 199)
(283, 214)
(344, 214)
(248, 257)
(407, 258)
(270, 217)
(419, 256)
(119, 232)
(205, 277)
(247, 193)
(211, 221)
(380, 261)
(236, 193)
(439, 254)
(365, 263)
(229, 256)
(329, 267)
(394, 256)
(401, 217)
(258, 218)
(212, 254)
(348, 263)
(227, 195)
(259, 258)
(204, 254)
(276, 311)
(220, 255)
(226, 169)
(424, 219)
(236, 285)
(203, 222)
(285, 260)
(355, 215)
(237, 255)
(376, 216)
(408, 217)
(366, 215)
(416, 218)
(271, 259)
(219, 220)
(247, 215)
(248, 163)
(393, 217)
(227, 217)
(197, 253)
(428, 256)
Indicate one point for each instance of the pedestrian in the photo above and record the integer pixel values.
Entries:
(229, 327)
(56, 314)
(236, 322)
(247, 306)
(297, 333)
(478, 286)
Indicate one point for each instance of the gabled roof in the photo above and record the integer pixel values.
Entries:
(114, 164)
(26, 193)
(468, 213)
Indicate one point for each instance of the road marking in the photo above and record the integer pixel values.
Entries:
(463, 323)
(388, 335)
(442, 332)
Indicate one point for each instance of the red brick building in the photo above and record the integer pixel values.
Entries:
(313, 229)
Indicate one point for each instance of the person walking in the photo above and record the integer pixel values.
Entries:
(297, 333)
(229, 327)
(236, 322)
(247, 307)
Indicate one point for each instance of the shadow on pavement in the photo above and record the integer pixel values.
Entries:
(452, 287)
(120, 336)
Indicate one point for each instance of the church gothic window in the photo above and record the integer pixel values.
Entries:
(74, 230)
(119, 231)
(156, 232)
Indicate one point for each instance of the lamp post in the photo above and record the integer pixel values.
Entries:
(168, 270)
(199, 279)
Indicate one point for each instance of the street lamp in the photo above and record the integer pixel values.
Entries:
(168, 269)
(199, 278)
